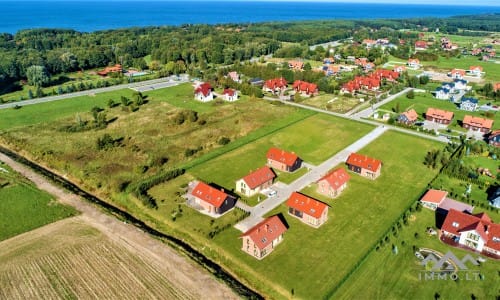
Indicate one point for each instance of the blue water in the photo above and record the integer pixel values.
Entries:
(99, 15)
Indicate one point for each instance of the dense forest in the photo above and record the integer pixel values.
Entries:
(45, 52)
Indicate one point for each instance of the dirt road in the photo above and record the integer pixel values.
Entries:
(184, 273)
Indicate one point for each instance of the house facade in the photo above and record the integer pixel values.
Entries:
(260, 240)
(255, 182)
(457, 74)
(438, 116)
(305, 88)
(474, 231)
(363, 165)
(275, 86)
(477, 124)
(413, 63)
(203, 92)
(283, 160)
(210, 200)
(476, 71)
(460, 84)
(442, 93)
(433, 198)
(408, 117)
(469, 104)
(494, 138)
(296, 65)
(333, 183)
(310, 211)
(230, 95)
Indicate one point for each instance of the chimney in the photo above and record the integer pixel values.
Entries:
(267, 227)
(222, 190)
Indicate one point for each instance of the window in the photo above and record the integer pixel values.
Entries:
(496, 239)
(264, 240)
(455, 224)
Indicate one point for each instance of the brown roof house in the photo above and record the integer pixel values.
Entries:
(255, 182)
(209, 200)
(364, 165)
(438, 116)
(308, 210)
(408, 117)
(282, 160)
(333, 183)
(438, 200)
(263, 238)
(477, 124)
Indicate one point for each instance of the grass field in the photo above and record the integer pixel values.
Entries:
(385, 275)
(336, 103)
(23, 207)
(71, 260)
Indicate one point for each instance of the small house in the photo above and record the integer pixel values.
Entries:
(413, 63)
(230, 95)
(305, 88)
(260, 240)
(438, 116)
(442, 93)
(203, 92)
(408, 117)
(283, 160)
(363, 165)
(476, 71)
(333, 183)
(255, 182)
(296, 65)
(457, 73)
(494, 138)
(275, 86)
(477, 124)
(310, 211)
(469, 104)
(210, 200)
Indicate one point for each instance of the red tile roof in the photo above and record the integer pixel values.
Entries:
(494, 133)
(276, 83)
(496, 86)
(209, 194)
(297, 65)
(229, 92)
(385, 74)
(205, 88)
(414, 61)
(434, 196)
(114, 69)
(364, 162)
(439, 114)
(458, 71)
(411, 115)
(266, 231)
(421, 44)
(479, 68)
(259, 177)
(282, 156)
(304, 86)
(336, 178)
(477, 122)
(306, 205)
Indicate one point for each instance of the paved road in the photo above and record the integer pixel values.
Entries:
(370, 110)
(147, 85)
(315, 173)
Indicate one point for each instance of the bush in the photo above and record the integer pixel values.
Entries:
(224, 140)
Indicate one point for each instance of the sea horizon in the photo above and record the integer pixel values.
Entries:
(117, 14)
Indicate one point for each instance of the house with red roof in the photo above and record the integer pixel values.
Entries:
(420, 45)
(328, 60)
(255, 182)
(113, 69)
(275, 86)
(234, 76)
(494, 138)
(209, 200)
(333, 183)
(305, 88)
(399, 68)
(296, 65)
(283, 160)
(385, 74)
(363, 165)
(437, 199)
(408, 117)
(230, 95)
(413, 63)
(308, 210)
(263, 238)
(330, 70)
(473, 231)
(477, 124)
(369, 43)
(203, 92)
(496, 87)
(476, 71)
(370, 83)
(439, 116)
(457, 74)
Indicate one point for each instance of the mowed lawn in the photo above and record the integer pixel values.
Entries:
(311, 262)
(313, 139)
(385, 275)
(464, 62)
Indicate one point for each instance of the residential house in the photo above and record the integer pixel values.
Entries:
(203, 92)
(113, 69)
(476, 71)
(330, 70)
(255, 182)
(496, 87)
(438, 116)
(413, 63)
(361, 83)
(469, 104)
(457, 73)
(230, 95)
(474, 231)
(369, 43)
(438, 200)
(420, 45)
(282, 160)
(305, 88)
(308, 210)
(364, 165)
(460, 84)
(328, 60)
(494, 197)
(399, 68)
(260, 240)
(442, 93)
(256, 81)
(494, 138)
(385, 74)
(276, 85)
(210, 200)
(476, 51)
(296, 65)
(477, 124)
(333, 183)
(234, 76)
(408, 117)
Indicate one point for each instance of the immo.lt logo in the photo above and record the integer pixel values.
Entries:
(447, 267)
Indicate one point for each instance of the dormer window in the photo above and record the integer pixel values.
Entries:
(455, 224)
(496, 239)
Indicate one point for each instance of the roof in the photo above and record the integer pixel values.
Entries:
(472, 100)
(496, 86)
(364, 162)
(266, 231)
(304, 86)
(434, 196)
(229, 92)
(336, 178)
(288, 158)
(411, 115)
(294, 64)
(494, 133)
(413, 60)
(259, 177)
(472, 68)
(421, 44)
(205, 88)
(448, 204)
(439, 114)
(276, 83)
(209, 194)
(477, 122)
(459, 71)
(306, 204)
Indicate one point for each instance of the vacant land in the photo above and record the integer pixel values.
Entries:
(23, 207)
(70, 259)
(336, 103)
(386, 275)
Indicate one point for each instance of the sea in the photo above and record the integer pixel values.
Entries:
(93, 15)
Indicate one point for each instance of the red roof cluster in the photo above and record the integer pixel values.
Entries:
(276, 83)
(205, 88)
(361, 82)
(306, 205)
(209, 194)
(259, 177)
(336, 178)
(385, 74)
(303, 86)
(282, 156)
(266, 231)
(457, 222)
(364, 162)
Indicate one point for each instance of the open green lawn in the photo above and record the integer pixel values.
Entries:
(388, 276)
(491, 69)
(313, 139)
(422, 101)
(336, 103)
(456, 188)
(23, 207)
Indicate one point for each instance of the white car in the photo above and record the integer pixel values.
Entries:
(272, 193)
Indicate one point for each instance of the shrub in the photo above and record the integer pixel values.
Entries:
(224, 140)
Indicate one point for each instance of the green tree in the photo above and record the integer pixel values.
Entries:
(410, 94)
(37, 76)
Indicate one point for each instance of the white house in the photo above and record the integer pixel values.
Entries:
(230, 95)
(203, 92)
(460, 84)
(469, 104)
(442, 93)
